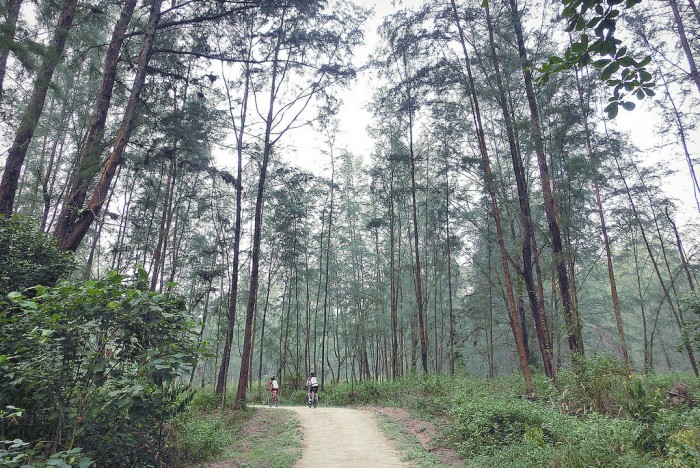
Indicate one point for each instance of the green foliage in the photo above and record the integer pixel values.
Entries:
(598, 416)
(691, 307)
(94, 365)
(29, 257)
(269, 438)
(17, 453)
(644, 407)
(198, 438)
(596, 21)
(483, 424)
(408, 443)
(596, 385)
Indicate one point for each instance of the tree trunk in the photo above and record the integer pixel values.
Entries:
(324, 329)
(681, 253)
(233, 292)
(573, 326)
(8, 32)
(416, 245)
(491, 190)
(257, 236)
(694, 74)
(32, 113)
(604, 229)
(88, 215)
(528, 233)
(88, 160)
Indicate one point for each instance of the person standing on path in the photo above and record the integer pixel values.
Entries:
(312, 384)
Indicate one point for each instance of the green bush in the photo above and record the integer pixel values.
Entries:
(596, 385)
(29, 257)
(485, 424)
(199, 439)
(93, 365)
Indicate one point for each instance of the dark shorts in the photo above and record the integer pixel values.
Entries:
(314, 389)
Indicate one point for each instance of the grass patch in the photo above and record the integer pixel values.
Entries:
(270, 438)
(408, 443)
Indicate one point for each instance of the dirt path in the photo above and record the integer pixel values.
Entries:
(343, 437)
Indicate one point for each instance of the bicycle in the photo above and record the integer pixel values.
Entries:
(314, 400)
(273, 399)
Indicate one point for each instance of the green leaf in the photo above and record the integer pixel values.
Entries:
(609, 70)
(628, 106)
(612, 110)
(600, 63)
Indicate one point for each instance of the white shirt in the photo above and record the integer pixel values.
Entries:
(275, 385)
(312, 381)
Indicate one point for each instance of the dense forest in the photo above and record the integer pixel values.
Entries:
(161, 232)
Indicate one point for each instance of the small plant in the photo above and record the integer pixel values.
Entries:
(645, 408)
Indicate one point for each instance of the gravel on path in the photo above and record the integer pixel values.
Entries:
(343, 437)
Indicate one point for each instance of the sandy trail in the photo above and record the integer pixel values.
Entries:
(343, 437)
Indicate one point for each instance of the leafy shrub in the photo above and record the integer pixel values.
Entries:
(29, 257)
(93, 364)
(198, 439)
(596, 385)
(484, 424)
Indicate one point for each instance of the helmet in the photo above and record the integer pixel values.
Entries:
(312, 374)
(272, 378)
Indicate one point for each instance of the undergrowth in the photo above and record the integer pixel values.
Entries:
(602, 415)
(241, 437)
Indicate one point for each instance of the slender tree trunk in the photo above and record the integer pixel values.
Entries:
(7, 32)
(604, 229)
(104, 184)
(32, 113)
(489, 183)
(233, 292)
(536, 306)
(416, 246)
(573, 325)
(681, 253)
(257, 235)
(159, 252)
(325, 291)
(694, 74)
(88, 160)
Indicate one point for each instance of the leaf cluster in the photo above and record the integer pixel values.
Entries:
(596, 22)
(94, 365)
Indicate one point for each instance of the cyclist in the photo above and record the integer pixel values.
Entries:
(273, 387)
(312, 384)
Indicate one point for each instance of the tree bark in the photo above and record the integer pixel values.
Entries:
(604, 229)
(88, 215)
(536, 306)
(694, 74)
(8, 31)
(416, 245)
(88, 160)
(257, 233)
(32, 113)
(233, 293)
(324, 328)
(489, 183)
(573, 326)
